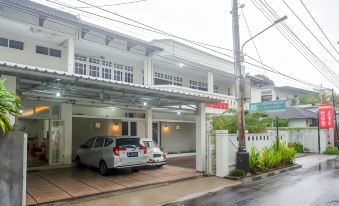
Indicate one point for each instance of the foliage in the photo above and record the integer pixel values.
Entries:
(254, 122)
(255, 161)
(238, 173)
(331, 150)
(271, 157)
(281, 123)
(316, 98)
(9, 104)
(299, 148)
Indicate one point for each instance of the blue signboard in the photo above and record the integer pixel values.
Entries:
(279, 105)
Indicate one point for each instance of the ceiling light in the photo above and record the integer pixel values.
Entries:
(58, 79)
(145, 103)
(181, 65)
(58, 94)
(21, 111)
(178, 113)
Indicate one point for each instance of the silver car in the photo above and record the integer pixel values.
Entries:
(155, 156)
(112, 152)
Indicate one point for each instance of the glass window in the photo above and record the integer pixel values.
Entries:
(93, 60)
(106, 73)
(81, 58)
(129, 141)
(124, 130)
(80, 68)
(193, 84)
(128, 77)
(55, 53)
(108, 141)
(106, 63)
(93, 71)
(3, 42)
(117, 75)
(41, 50)
(99, 142)
(89, 143)
(216, 89)
(229, 91)
(16, 44)
(133, 129)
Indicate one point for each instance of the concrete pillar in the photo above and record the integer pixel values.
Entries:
(148, 71)
(66, 115)
(10, 84)
(70, 55)
(222, 168)
(201, 139)
(210, 82)
(149, 122)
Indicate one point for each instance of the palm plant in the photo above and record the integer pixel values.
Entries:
(9, 105)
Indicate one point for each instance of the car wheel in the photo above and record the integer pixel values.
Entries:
(103, 168)
(78, 163)
(135, 169)
(159, 166)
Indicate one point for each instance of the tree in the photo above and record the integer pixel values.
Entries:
(9, 105)
(315, 98)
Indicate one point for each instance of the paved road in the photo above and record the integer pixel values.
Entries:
(316, 185)
(186, 162)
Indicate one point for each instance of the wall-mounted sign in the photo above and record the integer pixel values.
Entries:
(279, 105)
(325, 113)
(219, 105)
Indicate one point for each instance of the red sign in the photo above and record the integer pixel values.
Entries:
(325, 112)
(219, 105)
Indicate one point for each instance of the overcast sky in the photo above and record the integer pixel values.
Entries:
(211, 22)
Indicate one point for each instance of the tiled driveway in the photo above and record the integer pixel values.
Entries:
(58, 184)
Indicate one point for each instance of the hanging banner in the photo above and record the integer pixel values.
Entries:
(325, 113)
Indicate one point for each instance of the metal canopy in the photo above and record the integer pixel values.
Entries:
(40, 84)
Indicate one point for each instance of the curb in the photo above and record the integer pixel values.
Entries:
(270, 174)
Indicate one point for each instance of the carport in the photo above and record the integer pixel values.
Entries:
(60, 93)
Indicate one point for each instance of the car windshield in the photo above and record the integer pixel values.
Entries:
(126, 142)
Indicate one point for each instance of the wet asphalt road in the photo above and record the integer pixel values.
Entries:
(313, 186)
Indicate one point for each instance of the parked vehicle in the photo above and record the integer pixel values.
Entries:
(109, 152)
(155, 156)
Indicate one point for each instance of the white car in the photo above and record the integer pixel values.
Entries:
(108, 152)
(155, 156)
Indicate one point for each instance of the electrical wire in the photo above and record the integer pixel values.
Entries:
(110, 5)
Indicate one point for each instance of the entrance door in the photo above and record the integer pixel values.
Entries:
(155, 132)
(129, 128)
(56, 143)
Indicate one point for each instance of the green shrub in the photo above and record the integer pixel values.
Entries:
(255, 162)
(238, 173)
(331, 150)
(298, 147)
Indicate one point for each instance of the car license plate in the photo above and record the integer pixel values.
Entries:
(157, 155)
(132, 154)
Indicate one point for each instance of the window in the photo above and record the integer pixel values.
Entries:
(93, 60)
(108, 141)
(124, 130)
(193, 84)
(229, 91)
(55, 53)
(129, 141)
(80, 68)
(99, 142)
(81, 58)
(106, 73)
(3, 42)
(89, 143)
(129, 74)
(177, 81)
(216, 89)
(16, 44)
(165, 79)
(118, 72)
(106, 63)
(41, 50)
(93, 71)
(150, 144)
(133, 129)
(202, 86)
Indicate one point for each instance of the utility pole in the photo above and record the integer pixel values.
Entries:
(242, 155)
(335, 120)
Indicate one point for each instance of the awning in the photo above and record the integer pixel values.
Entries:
(49, 85)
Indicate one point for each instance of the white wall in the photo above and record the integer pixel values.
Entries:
(255, 94)
(297, 123)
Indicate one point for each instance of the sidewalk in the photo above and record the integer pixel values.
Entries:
(160, 195)
(179, 191)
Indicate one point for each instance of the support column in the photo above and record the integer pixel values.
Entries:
(148, 71)
(66, 115)
(222, 166)
(10, 84)
(70, 55)
(149, 124)
(210, 82)
(200, 140)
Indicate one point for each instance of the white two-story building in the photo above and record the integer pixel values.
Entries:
(78, 80)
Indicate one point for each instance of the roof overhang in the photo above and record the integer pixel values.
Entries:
(43, 84)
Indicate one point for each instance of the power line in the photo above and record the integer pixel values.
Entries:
(318, 26)
(110, 5)
(309, 30)
(294, 40)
